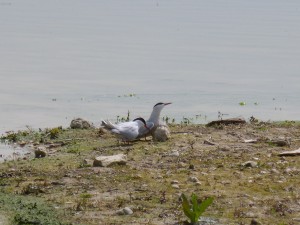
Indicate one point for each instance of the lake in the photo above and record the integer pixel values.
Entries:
(73, 58)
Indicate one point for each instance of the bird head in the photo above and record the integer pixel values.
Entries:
(142, 120)
(161, 105)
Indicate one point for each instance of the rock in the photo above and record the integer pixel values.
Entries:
(250, 140)
(22, 143)
(40, 152)
(280, 142)
(250, 164)
(105, 161)
(79, 123)
(275, 171)
(174, 153)
(176, 186)
(182, 165)
(194, 179)
(162, 133)
(255, 222)
(88, 162)
(174, 182)
(290, 153)
(125, 211)
(206, 142)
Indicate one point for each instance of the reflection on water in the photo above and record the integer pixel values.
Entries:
(66, 59)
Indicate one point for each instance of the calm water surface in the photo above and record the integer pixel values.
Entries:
(75, 58)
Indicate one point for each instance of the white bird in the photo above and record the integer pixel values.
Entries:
(129, 131)
(153, 119)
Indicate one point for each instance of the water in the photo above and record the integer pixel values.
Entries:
(73, 58)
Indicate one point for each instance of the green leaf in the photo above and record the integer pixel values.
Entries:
(204, 205)
(192, 209)
(186, 207)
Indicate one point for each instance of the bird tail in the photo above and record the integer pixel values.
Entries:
(107, 124)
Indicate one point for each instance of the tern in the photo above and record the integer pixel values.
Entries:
(129, 131)
(153, 119)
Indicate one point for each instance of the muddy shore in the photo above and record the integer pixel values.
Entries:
(238, 165)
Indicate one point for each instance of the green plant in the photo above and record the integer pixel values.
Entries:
(54, 132)
(193, 209)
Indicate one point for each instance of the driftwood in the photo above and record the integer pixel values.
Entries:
(290, 153)
(226, 122)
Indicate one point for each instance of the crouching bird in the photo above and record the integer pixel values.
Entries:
(129, 131)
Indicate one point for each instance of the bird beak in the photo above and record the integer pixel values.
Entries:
(168, 103)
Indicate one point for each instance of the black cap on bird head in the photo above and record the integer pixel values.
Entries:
(162, 104)
(140, 119)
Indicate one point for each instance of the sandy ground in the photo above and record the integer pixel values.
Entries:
(237, 165)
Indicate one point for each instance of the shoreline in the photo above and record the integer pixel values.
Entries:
(236, 164)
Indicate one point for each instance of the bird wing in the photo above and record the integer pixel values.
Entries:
(129, 130)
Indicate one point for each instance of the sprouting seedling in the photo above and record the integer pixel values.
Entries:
(128, 116)
(193, 209)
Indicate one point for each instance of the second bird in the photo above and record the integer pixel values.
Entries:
(129, 131)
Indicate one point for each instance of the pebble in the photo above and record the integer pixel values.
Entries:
(174, 182)
(176, 186)
(194, 179)
(182, 165)
(255, 222)
(105, 161)
(40, 152)
(80, 123)
(125, 211)
(274, 171)
(250, 164)
(162, 133)
(174, 153)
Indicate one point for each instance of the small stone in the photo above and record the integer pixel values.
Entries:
(80, 123)
(194, 179)
(176, 186)
(162, 133)
(182, 165)
(255, 222)
(22, 143)
(250, 164)
(275, 171)
(174, 153)
(125, 211)
(105, 161)
(174, 182)
(206, 142)
(40, 152)
(88, 162)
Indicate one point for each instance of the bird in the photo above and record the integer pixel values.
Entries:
(154, 118)
(129, 131)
